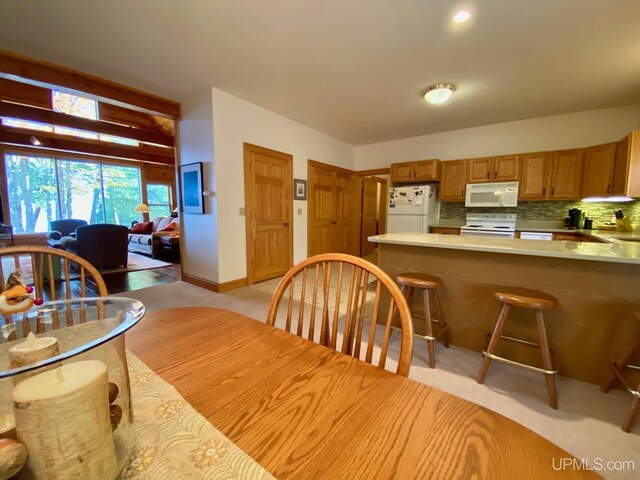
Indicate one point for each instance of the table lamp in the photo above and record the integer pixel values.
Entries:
(142, 208)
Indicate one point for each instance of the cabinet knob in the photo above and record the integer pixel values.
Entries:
(495, 175)
(544, 191)
(608, 189)
(553, 190)
(462, 193)
(488, 174)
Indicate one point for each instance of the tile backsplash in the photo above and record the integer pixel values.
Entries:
(548, 211)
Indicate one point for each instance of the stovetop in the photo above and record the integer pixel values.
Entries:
(491, 221)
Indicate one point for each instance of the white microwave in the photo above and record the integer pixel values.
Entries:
(492, 194)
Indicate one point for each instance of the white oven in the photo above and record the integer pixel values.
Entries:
(492, 194)
(494, 225)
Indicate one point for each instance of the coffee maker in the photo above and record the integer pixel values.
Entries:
(574, 219)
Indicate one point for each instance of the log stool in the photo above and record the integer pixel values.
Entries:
(618, 369)
(538, 302)
(429, 285)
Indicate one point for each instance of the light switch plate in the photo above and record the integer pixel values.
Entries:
(299, 211)
(242, 211)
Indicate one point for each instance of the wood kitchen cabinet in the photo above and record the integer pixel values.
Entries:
(626, 172)
(454, 182)
(565, 175)
(599, 166)
(493, 169)
(480, 170)
(534, 176)
(446, 230)
(415, 172)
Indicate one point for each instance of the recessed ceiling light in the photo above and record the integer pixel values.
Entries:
(439, 93)
(462, 16)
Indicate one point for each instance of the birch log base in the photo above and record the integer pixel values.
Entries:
(33, 350)
(65, 425)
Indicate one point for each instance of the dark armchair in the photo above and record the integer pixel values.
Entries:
(64, 228)
(104, 245)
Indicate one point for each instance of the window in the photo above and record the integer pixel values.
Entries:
(71, 105)
(45, 188)
(33, 196)
(159, 198)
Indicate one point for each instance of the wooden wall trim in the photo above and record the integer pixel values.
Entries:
(213, 286)
(328, 166)
(374, 171)
(33, 114)
(25, 94)
(66, 143)
(43, 74)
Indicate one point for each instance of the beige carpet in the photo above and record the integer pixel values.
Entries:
(587, 423)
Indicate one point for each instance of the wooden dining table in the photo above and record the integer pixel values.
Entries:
(302, 410)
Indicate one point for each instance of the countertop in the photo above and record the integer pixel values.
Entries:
(615, 250)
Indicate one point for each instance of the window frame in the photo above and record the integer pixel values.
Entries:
(159, 182)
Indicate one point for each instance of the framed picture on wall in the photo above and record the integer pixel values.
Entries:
(299, 189)
(192, 188)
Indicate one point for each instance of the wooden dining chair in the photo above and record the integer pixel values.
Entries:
(336, 292)
(48, 270)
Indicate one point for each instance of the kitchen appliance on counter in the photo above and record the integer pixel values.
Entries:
(504, 194)
(412, 209)
(574, 220)
(496, 225)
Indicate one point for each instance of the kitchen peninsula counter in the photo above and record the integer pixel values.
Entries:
(597, 285)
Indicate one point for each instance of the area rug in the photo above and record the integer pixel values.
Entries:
(135, 262)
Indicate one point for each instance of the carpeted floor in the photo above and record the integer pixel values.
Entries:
(587, 423)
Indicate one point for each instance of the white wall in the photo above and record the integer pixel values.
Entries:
(200, 232)
(236, 121)
(571, 130)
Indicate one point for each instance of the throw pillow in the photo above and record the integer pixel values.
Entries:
(142, 228)
(168, 228)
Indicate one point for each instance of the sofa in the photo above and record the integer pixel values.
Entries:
(103, 245)
(149, 244)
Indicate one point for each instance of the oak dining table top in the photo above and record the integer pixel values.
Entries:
(302, 410)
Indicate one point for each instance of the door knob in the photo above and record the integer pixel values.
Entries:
(285, 224)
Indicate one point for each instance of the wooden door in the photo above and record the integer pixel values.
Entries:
(506, 168)
(480, 170)
(621, 169)
(427, 170)
(534, 176)
(402, 172)
(344, 212)
(320, 214)
(369, 215)
(268, 187)
(599, 164)
(566, 175)
(453, 183)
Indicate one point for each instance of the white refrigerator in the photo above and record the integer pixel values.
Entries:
(412, 209)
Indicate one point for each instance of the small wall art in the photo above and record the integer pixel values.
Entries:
(299, 189)
(192, 188)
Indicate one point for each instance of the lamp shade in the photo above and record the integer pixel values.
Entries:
(175, 210)
(142, 208)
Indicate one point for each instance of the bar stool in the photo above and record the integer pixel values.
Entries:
(538, 302)
(429, 285)
(618, 369)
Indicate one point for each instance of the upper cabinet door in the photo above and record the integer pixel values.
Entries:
(427, 170)
(402, 172)
(566, 175)
(599, 163)
(534, 176)
(621, 169)
(453, 183)
(506, 168)
(480, 170)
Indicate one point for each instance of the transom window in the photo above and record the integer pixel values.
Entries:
(159, 199)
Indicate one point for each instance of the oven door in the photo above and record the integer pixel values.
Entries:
(470, 232)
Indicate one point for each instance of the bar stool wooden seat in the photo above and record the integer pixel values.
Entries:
(429, 285)
(533, 300)
(617, 370)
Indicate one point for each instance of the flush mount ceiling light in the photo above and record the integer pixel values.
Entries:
(462, 16)
(439, 93)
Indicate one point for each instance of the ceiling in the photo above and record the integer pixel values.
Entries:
(353, 69)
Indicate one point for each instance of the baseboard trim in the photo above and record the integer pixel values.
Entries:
(213, 286)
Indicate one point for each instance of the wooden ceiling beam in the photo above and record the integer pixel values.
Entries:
(25, 94)
(48, 75)
(52, 141)
(63, 120)
(126, 116)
